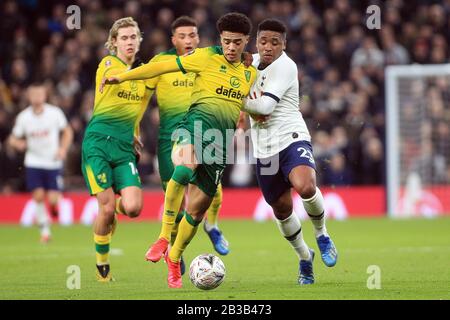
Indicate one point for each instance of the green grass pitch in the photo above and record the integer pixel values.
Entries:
(413, 257)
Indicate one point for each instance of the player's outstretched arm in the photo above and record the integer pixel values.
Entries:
(146, 71)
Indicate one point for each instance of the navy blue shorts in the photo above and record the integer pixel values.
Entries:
(43, 178)
(273, 173)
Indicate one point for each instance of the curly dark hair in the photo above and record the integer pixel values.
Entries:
(272, 25)
(234, 22)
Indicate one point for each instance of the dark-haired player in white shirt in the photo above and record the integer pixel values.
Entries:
(282, 146)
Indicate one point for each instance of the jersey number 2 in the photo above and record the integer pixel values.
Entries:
(306, 154)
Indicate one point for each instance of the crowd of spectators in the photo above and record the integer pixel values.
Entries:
(341, 65)
(425, 126)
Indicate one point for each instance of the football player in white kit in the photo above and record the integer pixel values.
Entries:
(37, 132)
(282, 147)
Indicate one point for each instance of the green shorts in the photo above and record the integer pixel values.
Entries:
(210, 152)
(108, 162)
(165, 160)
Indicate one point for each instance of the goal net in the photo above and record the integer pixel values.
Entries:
(418, 140)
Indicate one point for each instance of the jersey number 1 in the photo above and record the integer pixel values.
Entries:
(219, 174)
(133, 169)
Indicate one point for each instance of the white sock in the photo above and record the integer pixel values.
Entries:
(291, 229)
(42, 219)
(314, 209)
(209, 226)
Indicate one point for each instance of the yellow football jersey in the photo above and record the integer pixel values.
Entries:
(220, 86)
(118, 110)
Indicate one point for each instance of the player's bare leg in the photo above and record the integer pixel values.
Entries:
(199, 202)
(303, 180)
(54, 197)
(183, 158)
(129, 204)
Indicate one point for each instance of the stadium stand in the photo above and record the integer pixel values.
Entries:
(340, 61)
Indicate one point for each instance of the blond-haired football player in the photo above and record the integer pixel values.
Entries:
(108, 150)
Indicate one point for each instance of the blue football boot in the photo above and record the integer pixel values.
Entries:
(218, 240)
(327, 250)
(306, 274)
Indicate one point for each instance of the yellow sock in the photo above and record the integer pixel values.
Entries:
(102, 248)
(186, 232)
(119, 207)
(213, 210)
(172, 203)
(174, 233)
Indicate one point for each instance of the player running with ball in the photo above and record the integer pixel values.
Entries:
(174, 91)
(221, 83)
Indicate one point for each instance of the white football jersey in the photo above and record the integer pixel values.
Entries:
(279, 80)
(42, 133)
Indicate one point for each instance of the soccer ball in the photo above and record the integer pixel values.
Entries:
(207, 271)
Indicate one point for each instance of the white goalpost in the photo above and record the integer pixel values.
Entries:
(417, 149)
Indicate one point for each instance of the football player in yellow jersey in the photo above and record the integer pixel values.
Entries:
(222, 81)
(108, 149)
(173, 91)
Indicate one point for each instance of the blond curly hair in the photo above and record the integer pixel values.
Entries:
(114, 31)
